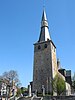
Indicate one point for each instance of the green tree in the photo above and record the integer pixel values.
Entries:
(73, 81)
(59, 85)
(18, 92)
(23, 89)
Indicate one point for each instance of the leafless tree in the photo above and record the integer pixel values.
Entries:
(11, 76)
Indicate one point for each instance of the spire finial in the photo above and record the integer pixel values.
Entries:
(44, 19)
(43, 4)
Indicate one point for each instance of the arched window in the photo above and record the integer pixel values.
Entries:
(45, 45)
(39, 47)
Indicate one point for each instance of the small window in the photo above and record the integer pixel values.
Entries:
(42, 70)
(39, 47)
(45, 46)
(36, 71)
(47, 39)
(47, 59)
(35, 78)
(54, 49)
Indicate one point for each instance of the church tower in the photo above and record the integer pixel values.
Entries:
(45, 61)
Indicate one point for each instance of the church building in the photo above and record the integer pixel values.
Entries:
(45, 65)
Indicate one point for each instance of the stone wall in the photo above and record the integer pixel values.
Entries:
(59, 98)
(49, 98)
(42, 71)
(31, 98)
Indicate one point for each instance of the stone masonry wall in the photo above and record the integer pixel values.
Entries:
(59, 98)
(49, 98)
(42, 71)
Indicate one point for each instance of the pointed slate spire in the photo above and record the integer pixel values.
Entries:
(44, 34)
(44, 19)
(44, 16)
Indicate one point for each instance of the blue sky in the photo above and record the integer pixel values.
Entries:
(20, 22)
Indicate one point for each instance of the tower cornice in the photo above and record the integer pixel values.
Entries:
(38, 43)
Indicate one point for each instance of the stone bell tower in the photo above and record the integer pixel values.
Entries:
(45, 61)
